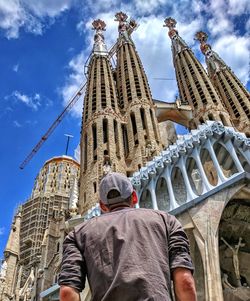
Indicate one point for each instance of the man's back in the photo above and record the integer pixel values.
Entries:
(128, 254)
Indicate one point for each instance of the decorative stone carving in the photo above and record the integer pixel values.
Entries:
(235, 251)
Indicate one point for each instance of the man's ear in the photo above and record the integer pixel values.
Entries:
(103, 207)
(134, 198)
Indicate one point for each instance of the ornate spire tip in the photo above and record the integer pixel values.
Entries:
(170, 23)
(201, 36)
(99, 25)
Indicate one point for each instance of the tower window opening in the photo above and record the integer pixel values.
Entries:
(94, 134)
(142, 111)
(134, 127)
(94, 99)
(125, 139)
(116, 138)
(110, 86)
(95, 188)
(105, 130)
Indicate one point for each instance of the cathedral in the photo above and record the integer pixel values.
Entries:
(203, 177)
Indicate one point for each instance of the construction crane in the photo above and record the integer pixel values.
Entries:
(71, 103)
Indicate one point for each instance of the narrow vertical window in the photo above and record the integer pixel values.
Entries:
(116, 138)
(142, 111)
(105, 130)
(125, 140)
(133, 122)
(94, 142)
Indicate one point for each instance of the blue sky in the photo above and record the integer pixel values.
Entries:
(44, 45)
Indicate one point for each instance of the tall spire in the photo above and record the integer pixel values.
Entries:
(193, 82)
(135, 99)
(99, 43)
(101, 139)
(234, 95)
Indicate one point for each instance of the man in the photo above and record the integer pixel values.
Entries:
(127, 254)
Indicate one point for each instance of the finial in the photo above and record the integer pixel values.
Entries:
(124, 25)
(121, 17)
(170, 23)
(98, 25)
(201, 36)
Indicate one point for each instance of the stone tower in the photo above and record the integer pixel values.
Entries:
(101, 140)
(9, 267)
(141, 132)
(234, 95)
(49, 200)
(193, 82)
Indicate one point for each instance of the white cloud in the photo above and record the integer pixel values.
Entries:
(48, 8)
(29, 15)
(237, 7)
(248, 26)
(148, 6)
(31, 101)
(15, 68)
(17, 124)
(73, 82)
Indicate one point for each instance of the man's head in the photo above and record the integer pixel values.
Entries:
(115, 191)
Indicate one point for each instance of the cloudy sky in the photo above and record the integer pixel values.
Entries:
(44, 47)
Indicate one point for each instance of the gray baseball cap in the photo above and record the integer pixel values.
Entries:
(118, 182)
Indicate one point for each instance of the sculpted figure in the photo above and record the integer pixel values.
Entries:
(235, 251)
